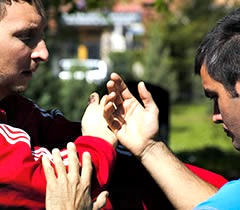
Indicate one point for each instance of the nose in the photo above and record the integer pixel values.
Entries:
(40, 52)
(216, 117)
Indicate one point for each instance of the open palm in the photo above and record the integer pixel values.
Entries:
(132, 123)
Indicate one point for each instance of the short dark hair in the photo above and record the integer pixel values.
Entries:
(220, 52)
(37, 3)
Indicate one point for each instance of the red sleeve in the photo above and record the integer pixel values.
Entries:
(22, 178)
(209, 176)
(103, 157)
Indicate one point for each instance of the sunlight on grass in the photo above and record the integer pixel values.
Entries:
(195, 139)
(192, 128)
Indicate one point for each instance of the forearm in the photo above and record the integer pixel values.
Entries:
(183, 188)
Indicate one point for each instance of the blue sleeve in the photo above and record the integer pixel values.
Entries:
(226, 198)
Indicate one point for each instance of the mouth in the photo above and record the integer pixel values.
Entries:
(30, 70)
(27, 74)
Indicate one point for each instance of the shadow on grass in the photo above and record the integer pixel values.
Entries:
(214, 159)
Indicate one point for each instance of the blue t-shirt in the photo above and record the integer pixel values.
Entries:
(227, 198)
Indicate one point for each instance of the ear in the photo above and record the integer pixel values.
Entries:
(237, 87)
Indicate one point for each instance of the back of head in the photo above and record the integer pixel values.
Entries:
(36, 3)
(220, 51)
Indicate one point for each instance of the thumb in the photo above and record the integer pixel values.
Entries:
(93, 98)
(101, 201)
(146, 98)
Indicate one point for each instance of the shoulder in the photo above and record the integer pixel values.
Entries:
(226, 198)
(13, 135)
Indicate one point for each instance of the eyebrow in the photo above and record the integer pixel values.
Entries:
(209, 93)
(30, 28)
(26, 30)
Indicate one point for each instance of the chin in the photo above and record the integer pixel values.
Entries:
(20, 89)
(236, 145)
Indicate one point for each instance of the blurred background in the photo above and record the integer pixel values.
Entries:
(150, 40)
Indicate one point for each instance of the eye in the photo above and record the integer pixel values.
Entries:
(24, 36)
(213, 98)
(25, 39)
(30, 38)
(212, 95)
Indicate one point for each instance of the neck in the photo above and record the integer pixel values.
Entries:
(3, 95)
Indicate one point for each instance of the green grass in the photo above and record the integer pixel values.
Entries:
(192, 128)
(195, 139)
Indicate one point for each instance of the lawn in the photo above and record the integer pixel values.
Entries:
(195, 139)
(192, 128)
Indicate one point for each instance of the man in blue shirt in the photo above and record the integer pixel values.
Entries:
(218, 63)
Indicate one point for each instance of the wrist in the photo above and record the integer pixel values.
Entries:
(151, 148)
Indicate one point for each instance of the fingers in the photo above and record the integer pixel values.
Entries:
(146, 98)
(109, 107)
(60, 168)
(113, 89)
(103, 101)
(117, 85)
(111, 114)
(48, 169)
(73, 168)
(101, 200)
(62, 191)
(86, 169)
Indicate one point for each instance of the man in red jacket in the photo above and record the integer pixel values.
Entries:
(26, 131)
(22, 178)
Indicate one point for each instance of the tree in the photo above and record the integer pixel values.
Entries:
(172, 42)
